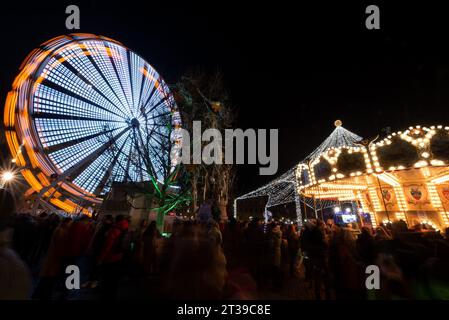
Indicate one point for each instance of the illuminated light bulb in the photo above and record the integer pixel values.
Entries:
(337, 209)
(421, 164)
(7, 176)
(437, 163)
(425, 154)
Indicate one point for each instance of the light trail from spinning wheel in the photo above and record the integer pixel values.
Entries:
(75, 97)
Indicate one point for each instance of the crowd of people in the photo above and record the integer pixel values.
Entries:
(210, 259)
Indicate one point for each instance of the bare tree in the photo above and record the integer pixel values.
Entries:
(201, 96)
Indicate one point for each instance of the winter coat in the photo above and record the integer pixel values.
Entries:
(80, 234)
(15, 277)
(111, 250)
(52, 266)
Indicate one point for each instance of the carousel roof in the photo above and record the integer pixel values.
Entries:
(340, 137)
(283, 189)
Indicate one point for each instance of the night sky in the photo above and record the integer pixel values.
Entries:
(292, 67)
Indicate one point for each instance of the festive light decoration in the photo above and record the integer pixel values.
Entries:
(301, 184)
(76, 97)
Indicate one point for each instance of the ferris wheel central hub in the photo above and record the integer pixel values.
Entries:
(135, 123)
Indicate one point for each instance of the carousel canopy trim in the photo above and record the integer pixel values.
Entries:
(284, 189)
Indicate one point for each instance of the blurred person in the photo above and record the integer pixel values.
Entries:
(214, 233)
(197, 270)
(293, 248)
(366, 246)
(79, 237)
(96, 245)
(150, 248)
(255, 249)
(348, 272)
(382, 233)
(15, 277)
(232, 242)
(315, 249)
(240, 285)
(52, 268)
(276, 242)
(393, 283)
(25, 228)
(111, 257)
(205, 211)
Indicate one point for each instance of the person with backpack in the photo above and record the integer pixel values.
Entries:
(111, 257)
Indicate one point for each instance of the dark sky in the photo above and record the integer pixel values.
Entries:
(292, 67)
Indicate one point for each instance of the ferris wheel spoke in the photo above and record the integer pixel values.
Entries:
(68, 108)
(150, 96)
(91, 84)
(105, 64)
(120, 168)
(160, 115)
(69, 83)
(143, 83)
(157, 154)
(56, 116)
(115, 61)
(136, 81)
(66, 91)
(145, 152)
(106, 82)
(68, 144)
(159, 103)
(109, 171)
(165, 137)
(79, 167)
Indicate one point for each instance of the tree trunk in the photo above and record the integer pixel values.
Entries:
(160, 214)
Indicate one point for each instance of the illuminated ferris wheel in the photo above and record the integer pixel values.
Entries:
(80, 111)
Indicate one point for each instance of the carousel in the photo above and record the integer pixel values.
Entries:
(404, 176)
